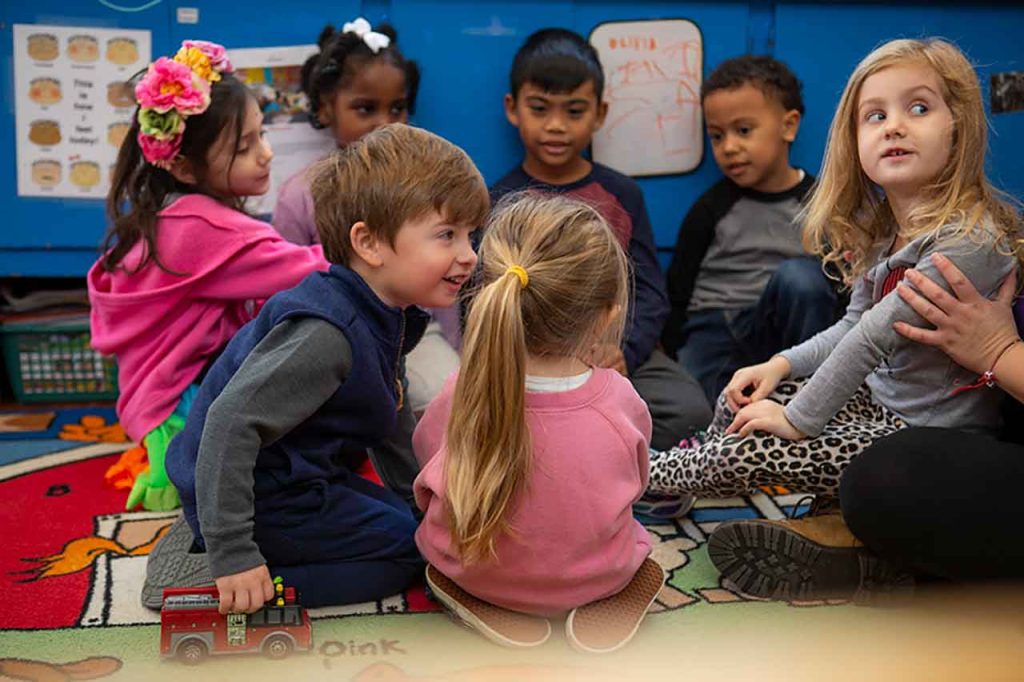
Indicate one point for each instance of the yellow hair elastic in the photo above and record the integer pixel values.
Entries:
(520, 272)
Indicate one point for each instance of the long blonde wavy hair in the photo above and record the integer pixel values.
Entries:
(847, 214)
(577, 274)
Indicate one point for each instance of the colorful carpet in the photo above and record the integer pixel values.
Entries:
(74, 560)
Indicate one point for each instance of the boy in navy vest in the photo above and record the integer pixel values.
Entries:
(260, 465)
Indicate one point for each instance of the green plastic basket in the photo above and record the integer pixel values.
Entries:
(54, 362)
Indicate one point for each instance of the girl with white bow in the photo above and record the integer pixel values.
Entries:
(359, 82)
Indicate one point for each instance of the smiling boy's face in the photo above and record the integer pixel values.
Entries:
(750, 134)
(555, 129)
(427, 265)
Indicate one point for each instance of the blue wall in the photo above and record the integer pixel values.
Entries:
(464, 48)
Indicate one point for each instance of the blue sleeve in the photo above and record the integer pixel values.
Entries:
(649, 308)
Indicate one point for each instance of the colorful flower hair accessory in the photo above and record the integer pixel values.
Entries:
(361, 27)
(171, 91)
(217, 55)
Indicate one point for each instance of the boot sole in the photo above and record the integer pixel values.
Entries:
(773, 562)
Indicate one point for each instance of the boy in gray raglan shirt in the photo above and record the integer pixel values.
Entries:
(741, 285)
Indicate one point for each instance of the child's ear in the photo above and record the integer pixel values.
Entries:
(366, 245)
(510, 109)
(183, 171)
(325, 115)
(602, 112)
(790, 125)
(610, 315)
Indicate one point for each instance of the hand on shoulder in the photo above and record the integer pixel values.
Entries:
(971, 329)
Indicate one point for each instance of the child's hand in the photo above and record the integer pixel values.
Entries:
(762, 378)
(245, 592)
(610, 356)
(764, 415)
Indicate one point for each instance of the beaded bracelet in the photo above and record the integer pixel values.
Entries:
(988, 378)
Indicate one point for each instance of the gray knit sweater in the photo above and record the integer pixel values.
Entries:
(912, 380)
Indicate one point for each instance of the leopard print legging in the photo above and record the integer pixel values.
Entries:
(724, 466)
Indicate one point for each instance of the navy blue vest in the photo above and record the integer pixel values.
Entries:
(360, 414)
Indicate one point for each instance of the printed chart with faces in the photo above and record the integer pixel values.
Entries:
(73, 105)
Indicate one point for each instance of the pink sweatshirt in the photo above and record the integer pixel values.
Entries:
(576, 540)
(164, 327)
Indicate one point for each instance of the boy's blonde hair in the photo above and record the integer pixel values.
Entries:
(575, 274)
(847, 213)
(394, 174)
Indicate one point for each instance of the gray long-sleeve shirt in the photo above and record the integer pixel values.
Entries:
(287, 377)
(912, 380)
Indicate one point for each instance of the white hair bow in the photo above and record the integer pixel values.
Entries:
(361, 27)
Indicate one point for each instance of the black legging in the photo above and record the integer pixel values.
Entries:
(940, 502)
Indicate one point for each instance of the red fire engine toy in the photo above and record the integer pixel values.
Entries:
(191, 627)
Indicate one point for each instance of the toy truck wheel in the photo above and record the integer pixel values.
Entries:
(277, 647)
(192, 652)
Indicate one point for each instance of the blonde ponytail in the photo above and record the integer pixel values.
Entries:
(550, 270)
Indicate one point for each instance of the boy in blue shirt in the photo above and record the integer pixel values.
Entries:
(260, 466)
(555, 101)
(741, 286)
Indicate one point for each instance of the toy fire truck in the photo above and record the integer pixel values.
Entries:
(191, 627)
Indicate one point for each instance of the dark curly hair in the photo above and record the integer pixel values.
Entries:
(340, 58)
(767, 74)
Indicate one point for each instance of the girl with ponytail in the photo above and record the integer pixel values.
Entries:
(518, 525)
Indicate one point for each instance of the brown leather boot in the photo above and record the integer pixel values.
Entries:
(808, 558)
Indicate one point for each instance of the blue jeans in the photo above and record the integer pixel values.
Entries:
(797, 303)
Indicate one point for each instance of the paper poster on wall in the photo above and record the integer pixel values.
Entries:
(652, 86)
(274, 75)
(72, 105)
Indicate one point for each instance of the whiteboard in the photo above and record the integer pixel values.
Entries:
(652, 86)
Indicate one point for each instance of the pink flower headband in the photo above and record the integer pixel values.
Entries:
(171, 91)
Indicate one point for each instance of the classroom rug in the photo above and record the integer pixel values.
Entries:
(73, 563)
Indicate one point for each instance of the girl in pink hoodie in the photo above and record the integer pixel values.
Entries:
(183, 266)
